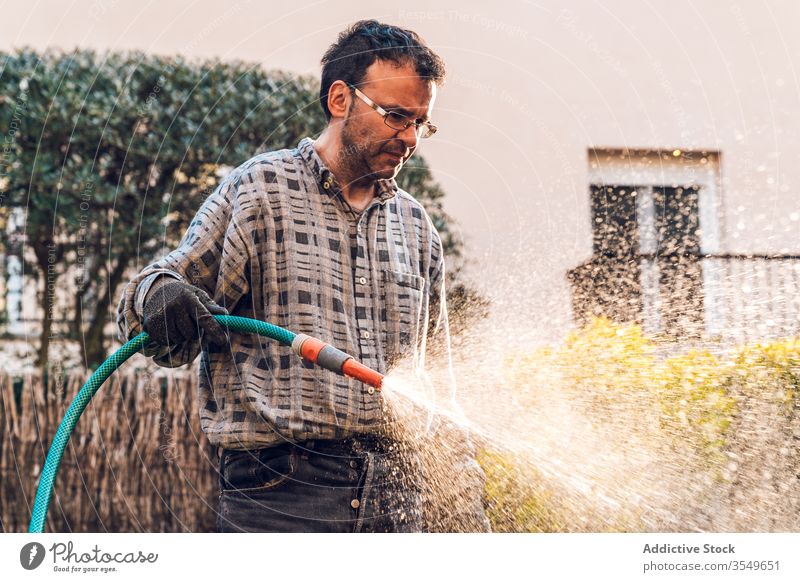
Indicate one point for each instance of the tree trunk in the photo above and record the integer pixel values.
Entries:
(94, 352)
(48, 256)
(92, 278)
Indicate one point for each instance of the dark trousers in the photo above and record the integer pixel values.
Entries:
(356, 485)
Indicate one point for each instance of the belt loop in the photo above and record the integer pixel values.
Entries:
(221, 465)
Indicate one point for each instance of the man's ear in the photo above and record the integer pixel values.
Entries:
(338, 99)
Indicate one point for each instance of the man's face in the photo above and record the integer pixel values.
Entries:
(370, 147)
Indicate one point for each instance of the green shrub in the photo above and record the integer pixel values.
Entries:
(697, 408)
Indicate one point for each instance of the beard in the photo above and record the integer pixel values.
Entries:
(363, 159)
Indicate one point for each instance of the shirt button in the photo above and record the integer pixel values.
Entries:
(358, 228)
(354, 504)
(353, 464)
(371, 390)
(326, 185)
(365, 334)
(362, 280)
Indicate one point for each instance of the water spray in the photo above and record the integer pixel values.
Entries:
(307, 347)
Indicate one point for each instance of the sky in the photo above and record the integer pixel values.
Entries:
(531, 87)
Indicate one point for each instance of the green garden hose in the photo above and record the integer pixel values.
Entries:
(344, 364)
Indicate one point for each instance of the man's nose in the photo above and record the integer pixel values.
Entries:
(409, 136)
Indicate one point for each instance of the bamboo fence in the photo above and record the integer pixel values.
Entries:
(137, 461)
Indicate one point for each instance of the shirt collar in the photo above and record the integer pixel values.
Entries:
(327, 181)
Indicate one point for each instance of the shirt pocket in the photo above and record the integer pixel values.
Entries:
(401, 312)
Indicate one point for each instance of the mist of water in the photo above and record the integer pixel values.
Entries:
(559, 459)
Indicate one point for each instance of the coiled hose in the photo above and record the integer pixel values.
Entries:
(306, 347)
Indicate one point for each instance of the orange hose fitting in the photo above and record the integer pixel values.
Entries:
(359, 371)
(318, 352)
(311, 348)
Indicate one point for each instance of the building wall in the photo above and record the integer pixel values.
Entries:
(633, 75)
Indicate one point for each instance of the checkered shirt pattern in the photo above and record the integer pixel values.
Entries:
(272, 243)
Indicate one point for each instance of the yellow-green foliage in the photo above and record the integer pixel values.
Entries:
(695, 403)
(688, 402)
(516, 498)
(606, 368)
(606, 358)
(771, 369)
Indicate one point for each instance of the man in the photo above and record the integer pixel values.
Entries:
(319, 240)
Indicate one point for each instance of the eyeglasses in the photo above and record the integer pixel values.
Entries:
(395, 120)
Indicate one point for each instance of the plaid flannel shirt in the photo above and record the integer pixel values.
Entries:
(272, 242)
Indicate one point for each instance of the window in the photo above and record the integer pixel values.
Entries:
(654, 215)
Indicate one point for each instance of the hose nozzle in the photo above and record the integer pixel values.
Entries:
(325, 355)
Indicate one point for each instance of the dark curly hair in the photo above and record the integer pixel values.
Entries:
(367, 41)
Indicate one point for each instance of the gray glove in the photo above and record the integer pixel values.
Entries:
(177, 312)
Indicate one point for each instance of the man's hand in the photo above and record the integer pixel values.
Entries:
(177, 312)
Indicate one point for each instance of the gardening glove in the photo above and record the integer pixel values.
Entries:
(177, 312)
